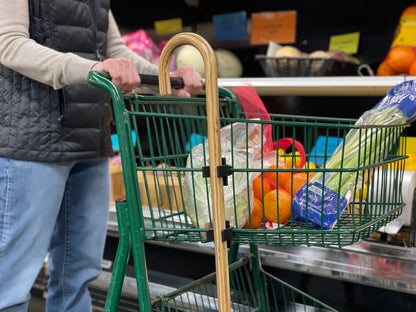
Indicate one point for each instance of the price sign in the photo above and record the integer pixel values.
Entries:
(279, 26)
(347, 43)
(230, 26)
(169, 26)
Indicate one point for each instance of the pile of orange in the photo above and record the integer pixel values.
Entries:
(293, 185)
(271, 200)
(273, 192)
(399, 60)
(277, 204)
(256, 215)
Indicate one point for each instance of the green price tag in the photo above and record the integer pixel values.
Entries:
(347, 43)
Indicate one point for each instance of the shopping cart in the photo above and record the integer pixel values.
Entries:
(246, 278)
(189, 178)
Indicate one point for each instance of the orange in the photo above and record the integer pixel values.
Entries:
(412, 69)
(385, 70)
(410, 10)
(400, 58)
(277, 205)
(256, 215)
(282, 176)
(292, 186)
(260, 190)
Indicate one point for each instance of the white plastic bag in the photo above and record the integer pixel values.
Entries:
(243, 151)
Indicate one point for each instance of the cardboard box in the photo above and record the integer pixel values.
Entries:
(117, 190)
(162, 187)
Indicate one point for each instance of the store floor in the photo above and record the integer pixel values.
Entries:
(36, 304)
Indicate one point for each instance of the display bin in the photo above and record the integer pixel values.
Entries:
(174, 200)
(305, 66)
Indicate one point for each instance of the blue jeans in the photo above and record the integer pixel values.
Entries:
(60, 207)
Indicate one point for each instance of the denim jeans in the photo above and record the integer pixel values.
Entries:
(60, 207)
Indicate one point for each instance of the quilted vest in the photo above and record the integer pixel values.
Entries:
(38, 123)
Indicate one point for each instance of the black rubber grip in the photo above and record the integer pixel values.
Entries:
(153, 80)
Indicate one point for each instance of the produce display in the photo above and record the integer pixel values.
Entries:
(289, 61)
(291, 51)
(228, 64)
(401, 58)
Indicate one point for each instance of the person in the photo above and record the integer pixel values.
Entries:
(55, 143)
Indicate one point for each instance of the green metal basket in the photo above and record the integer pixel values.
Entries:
(166, 208)
(252, 289)
(168, 194)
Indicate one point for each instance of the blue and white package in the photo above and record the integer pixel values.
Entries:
(402, 96)
(319, 205)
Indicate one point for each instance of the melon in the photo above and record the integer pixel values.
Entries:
(319, 54)
(228, 64)
(190, 56)
(288, 51)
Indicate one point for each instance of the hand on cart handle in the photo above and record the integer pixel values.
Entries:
(192, 81)
(185, 80)
(122, 71)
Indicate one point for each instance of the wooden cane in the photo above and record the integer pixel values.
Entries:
(214, 143)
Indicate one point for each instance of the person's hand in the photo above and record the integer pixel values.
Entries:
(192, 80)
(122, 71)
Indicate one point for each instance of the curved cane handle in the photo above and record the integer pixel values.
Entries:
(214, 146)
(208, 56)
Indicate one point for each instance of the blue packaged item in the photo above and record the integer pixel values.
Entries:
(313, 199)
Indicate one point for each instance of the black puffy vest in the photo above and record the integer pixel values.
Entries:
(38, 123)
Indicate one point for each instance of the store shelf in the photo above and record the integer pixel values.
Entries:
(318, 86)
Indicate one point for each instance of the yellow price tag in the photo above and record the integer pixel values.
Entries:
(169, 26)
(347, 43)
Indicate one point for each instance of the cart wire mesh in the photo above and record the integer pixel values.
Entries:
(201, 295)
(165, 177)
(167, 129)
(168, 192)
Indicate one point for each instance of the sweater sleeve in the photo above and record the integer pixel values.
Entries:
(117, 48)
(56, 69)
(24, 55)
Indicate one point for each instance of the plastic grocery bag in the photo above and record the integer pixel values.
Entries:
(241, 146)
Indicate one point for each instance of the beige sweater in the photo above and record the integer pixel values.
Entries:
(20, 53)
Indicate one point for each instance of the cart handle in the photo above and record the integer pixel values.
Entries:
(99, 79)
(151, 80)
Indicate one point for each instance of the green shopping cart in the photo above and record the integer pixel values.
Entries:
(189, 178)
